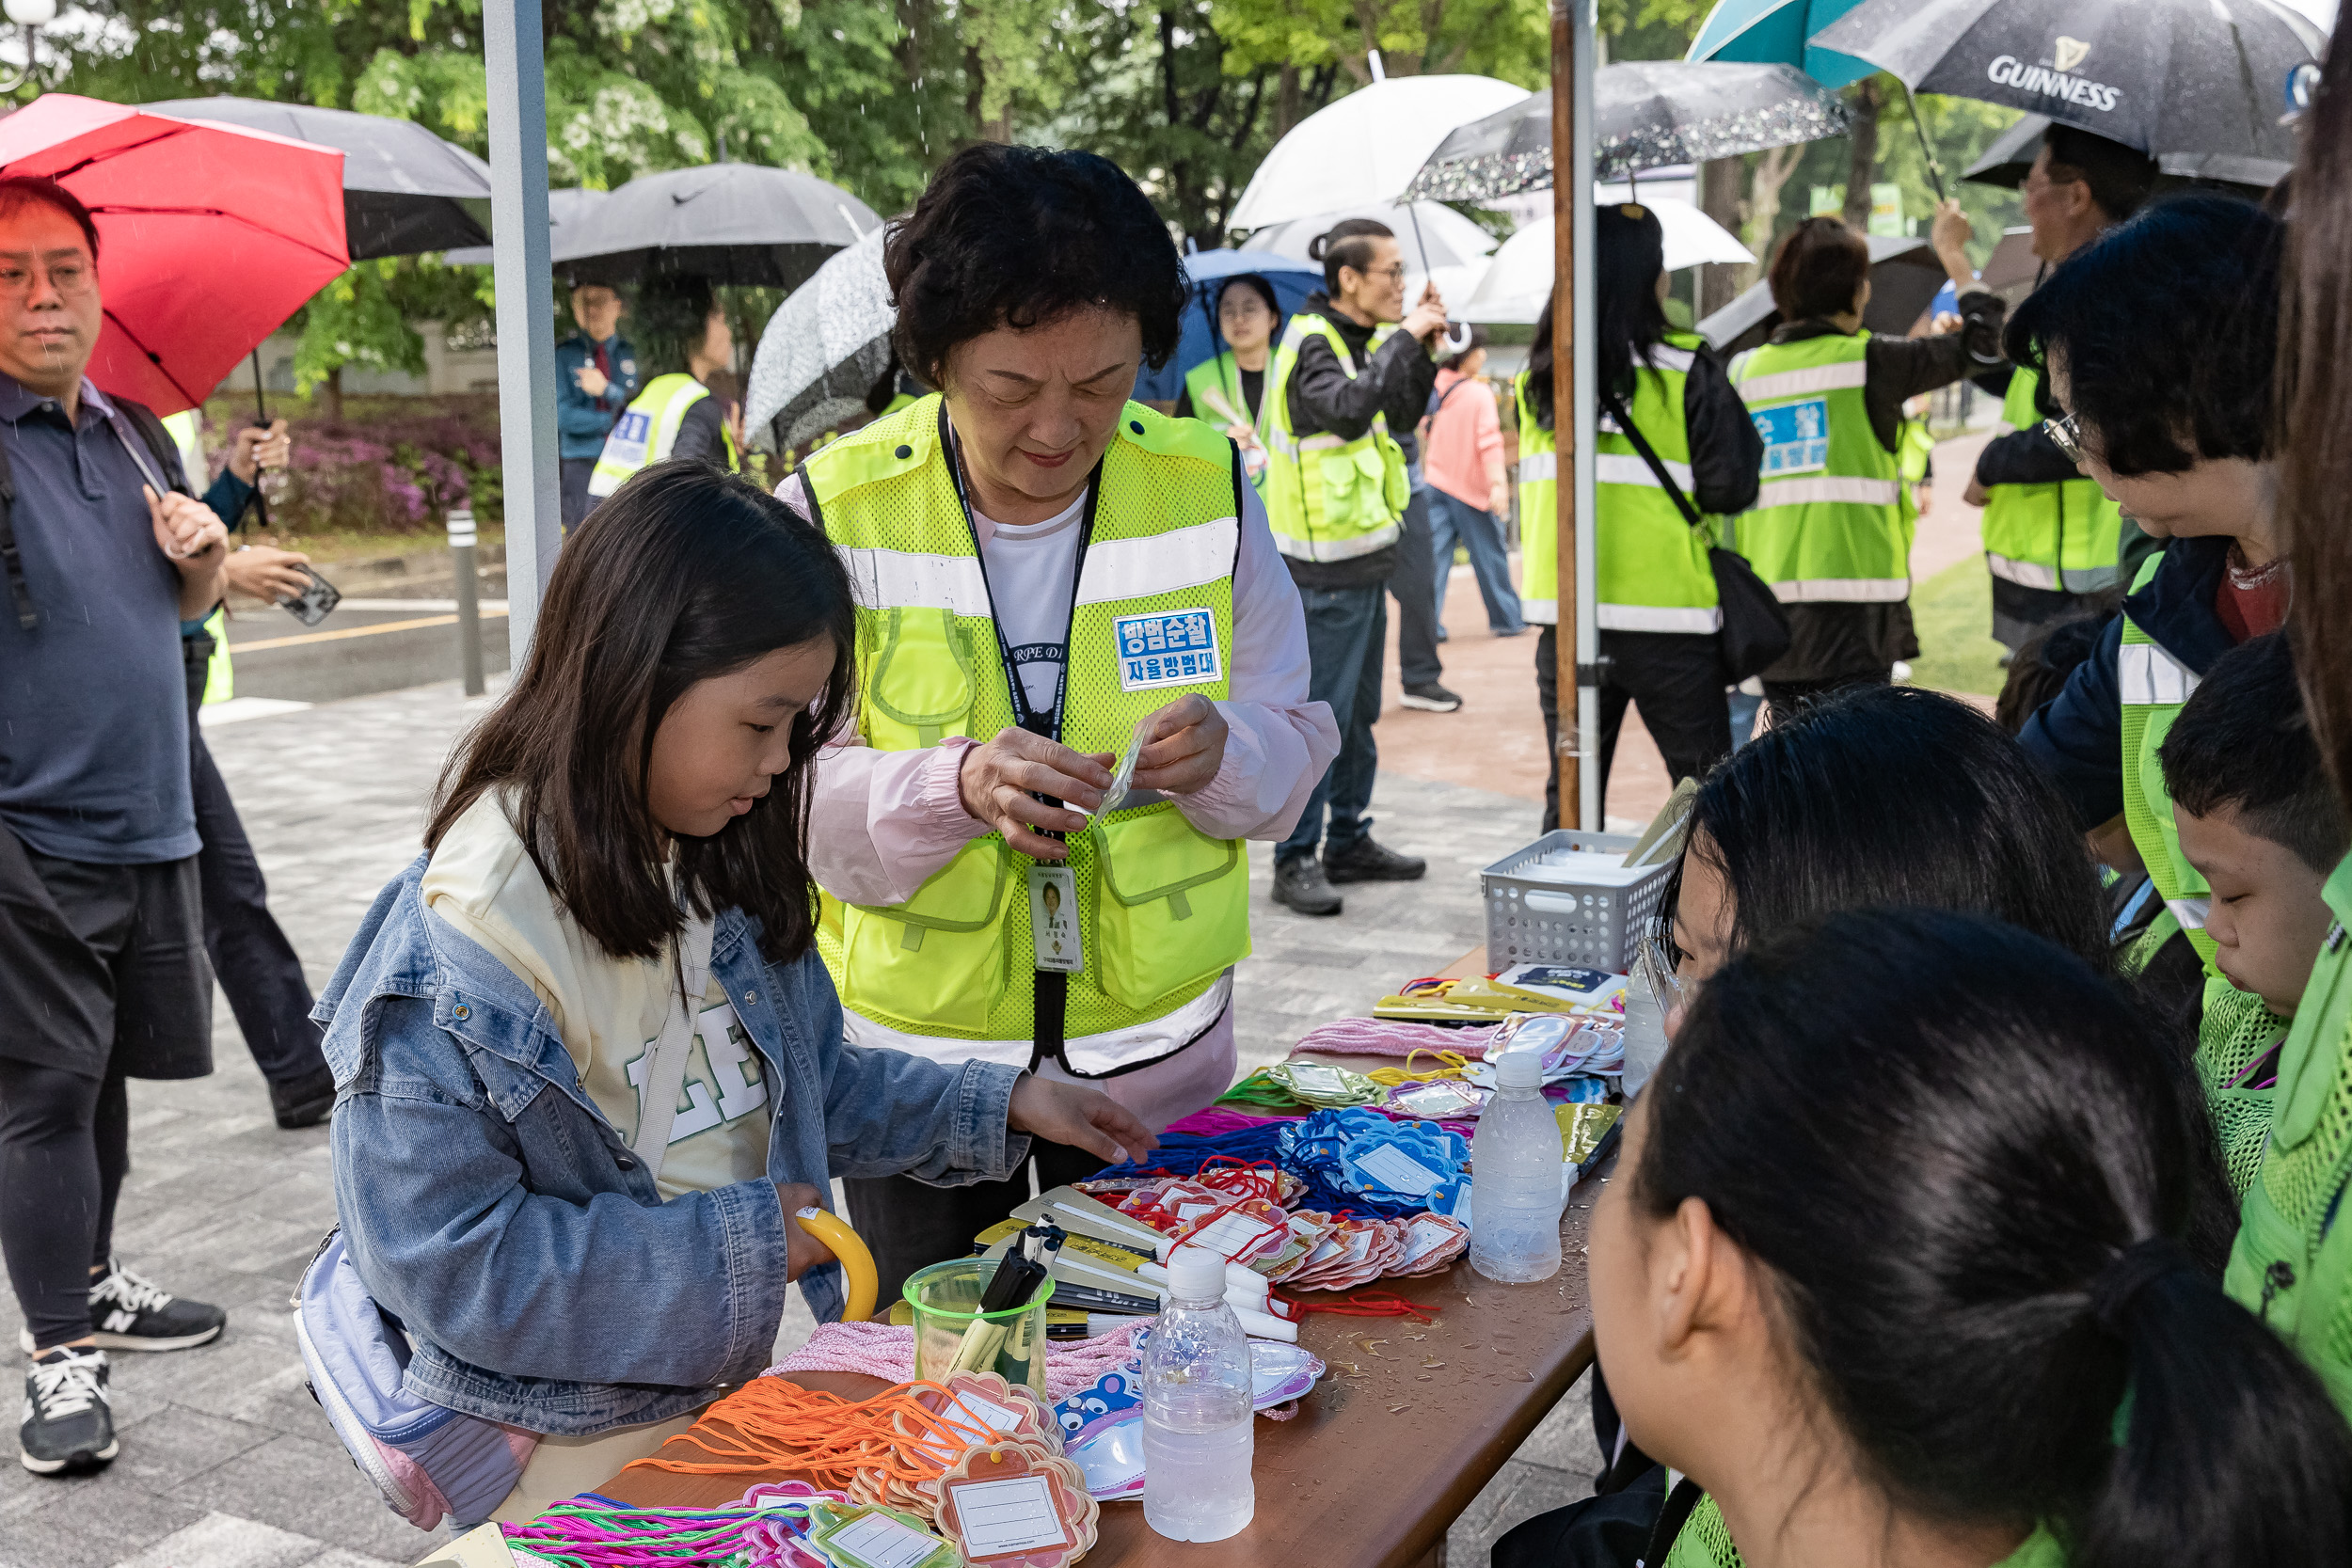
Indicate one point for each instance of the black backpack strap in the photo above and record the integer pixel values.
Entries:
(1633, 433)
(1681, 1504)
(158, 442)
(20, 591)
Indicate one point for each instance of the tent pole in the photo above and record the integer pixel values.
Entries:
(1584, 56)
(1565, 431)
(516, 56)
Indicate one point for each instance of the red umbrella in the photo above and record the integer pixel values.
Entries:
(209, 236)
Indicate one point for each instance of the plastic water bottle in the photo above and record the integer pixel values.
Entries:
(1198, 1440)
(1515, 1185)
(1644, 1025)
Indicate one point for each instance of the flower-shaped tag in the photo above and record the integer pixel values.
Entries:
(1011, 1505)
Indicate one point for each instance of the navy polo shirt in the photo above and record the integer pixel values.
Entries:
(94, 702)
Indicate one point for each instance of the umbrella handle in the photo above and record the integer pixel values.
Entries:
(261, 413)
(1935, 169)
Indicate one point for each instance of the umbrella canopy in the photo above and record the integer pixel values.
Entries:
(1904, 278)
(1519, 280)
(209, 236)
(1204, 273)
(2010, 159)
(1364, 149)
(1778, 32)
(728, 223)
(823, 349)
(571, 206)
(1439, 245)
(405, 190)
(1646, 113)
(2197, 85)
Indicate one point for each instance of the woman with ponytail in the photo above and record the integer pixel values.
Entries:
(1949, 1320)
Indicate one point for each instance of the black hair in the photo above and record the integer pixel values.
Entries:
(2039, 669)
(17, 191)
(681, 575)
(1255, 284)
(1539, 364)
(2119, 177)
(1969, 1227)
(1630, 245)
(1895, 794)
(1021, 236)
(2242, 739)
(2156, 402)
(671, 315)
(1819, 267)
(1347, 244)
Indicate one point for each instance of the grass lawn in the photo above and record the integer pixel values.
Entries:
(1953, 613)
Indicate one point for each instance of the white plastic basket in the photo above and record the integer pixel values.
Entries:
(1542, 906)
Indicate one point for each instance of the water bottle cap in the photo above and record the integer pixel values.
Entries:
(1196, 1273)
(1519, 1069)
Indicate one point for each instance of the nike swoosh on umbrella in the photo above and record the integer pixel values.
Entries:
(209, 236)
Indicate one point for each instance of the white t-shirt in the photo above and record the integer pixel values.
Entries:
(1031, 569)
(609, 1011)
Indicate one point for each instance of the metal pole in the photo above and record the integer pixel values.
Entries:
(1584, 55)
(515, 53)
(461, 543)
(1566, 431)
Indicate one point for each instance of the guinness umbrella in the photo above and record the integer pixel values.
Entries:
(1646, 113)
(2197, 85)
(728, 223)
(405, 190)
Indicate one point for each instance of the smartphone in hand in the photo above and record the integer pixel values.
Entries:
(313, 604)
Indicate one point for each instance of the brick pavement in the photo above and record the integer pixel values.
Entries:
(225, 1459)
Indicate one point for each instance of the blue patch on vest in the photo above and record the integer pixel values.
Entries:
(1796, 437)
(1173, 648)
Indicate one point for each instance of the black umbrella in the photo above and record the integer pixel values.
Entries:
(2197, 85)
(726, 223)
(405, 189)
(1904, 278)
(1646, 113)
(567, 208)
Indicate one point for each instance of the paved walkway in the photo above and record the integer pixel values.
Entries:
(226, 1461)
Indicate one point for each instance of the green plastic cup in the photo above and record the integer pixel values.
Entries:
(952, 1334)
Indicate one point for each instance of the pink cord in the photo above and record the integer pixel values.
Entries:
(1380, 1037)
(887, 1352)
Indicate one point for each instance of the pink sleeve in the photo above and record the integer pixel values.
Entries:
(881, 823)
(1490, 432)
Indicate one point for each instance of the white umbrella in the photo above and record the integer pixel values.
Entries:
(1366, 148)
(1518, 281)
(1456, 249)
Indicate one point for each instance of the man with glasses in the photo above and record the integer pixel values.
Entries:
(2053, 541)
(102, 974)
(1353, 374)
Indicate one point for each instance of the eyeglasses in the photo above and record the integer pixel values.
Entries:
(2067, 435)
(72, 279)
(1390, 273)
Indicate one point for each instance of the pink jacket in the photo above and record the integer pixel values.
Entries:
(1461, 448)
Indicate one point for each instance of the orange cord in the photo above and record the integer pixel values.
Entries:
(774, 1424)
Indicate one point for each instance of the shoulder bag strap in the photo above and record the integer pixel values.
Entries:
(665, 1074)
(11, 557)
(1649, 456)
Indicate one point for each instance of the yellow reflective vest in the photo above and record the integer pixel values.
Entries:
(1827, 526)
(1163, 909)
(1328, 498)
(220, 682)
(2059, 536)
(647, 430)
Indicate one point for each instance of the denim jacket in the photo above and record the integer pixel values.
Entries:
(491, 1207)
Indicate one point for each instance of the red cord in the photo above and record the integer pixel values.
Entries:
(1364, 1303)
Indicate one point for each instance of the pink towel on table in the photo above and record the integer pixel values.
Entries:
(1380, 1037)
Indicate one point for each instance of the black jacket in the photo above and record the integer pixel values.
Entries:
(1727, 453)
(2025, 456)
(702, 433)
(1396, 381)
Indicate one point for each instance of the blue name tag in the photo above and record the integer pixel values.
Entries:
(1175, 648)
(1796, 437)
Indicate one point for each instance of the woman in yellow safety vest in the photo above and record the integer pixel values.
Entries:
(1228, 388)
(675, 416)
(1659, 618)
(1050, 578)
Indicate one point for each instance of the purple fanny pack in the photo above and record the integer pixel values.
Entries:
(424, 1461)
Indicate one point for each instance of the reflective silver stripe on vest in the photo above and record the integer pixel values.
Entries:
(2026, 574)
(2147, 676)
(1823, 489)
(1537, 466)
(902, 577)
(1842, 591)
(1337, 549)
(1540, 613)
(1814, 378)
(2089, 579)
(1665, 356)
(1646, 617)
(1132, 1046)
(1159, 562)
(2190, 912)
(1617, 467)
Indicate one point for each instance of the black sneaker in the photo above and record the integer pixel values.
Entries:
(132, 1312)
(68, 1422)
(1300, 884)
(304, 1102)
(1366, 862)
(1431, 698)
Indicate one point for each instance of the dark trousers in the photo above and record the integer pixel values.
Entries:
(909, 1225)
(572, 476)
(1347, 635)
(1675, 678)
(1414, 580)
(64, 1143)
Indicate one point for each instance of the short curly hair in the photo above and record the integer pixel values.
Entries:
(2169, 324)
(1020, 236)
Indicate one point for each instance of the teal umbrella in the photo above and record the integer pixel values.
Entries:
(1780, 32)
